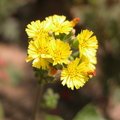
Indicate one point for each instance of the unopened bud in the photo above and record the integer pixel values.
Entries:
(73, 32)
(91, 73)
(52, 71)
(73, 37)
(50, 33)
(75, 21)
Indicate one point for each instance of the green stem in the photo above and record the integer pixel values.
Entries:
(37, 100)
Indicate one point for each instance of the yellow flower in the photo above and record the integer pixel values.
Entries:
(56, 23)
(89, 61)
(60, 51)
(75, 75)
(37, 29)
(59, 24)
(48, 50)
(40, 63)
(33, 29)
(87, 44)
(90, 65)
(38, 51)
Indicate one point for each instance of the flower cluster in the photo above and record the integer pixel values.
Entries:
(53, 46)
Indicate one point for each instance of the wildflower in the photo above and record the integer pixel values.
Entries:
(87, 44)
(90, 61)
(59, 24)
(38, 51)
(49, 50)
(75, 75)
(60, 51)
(33, 29)
(40, 63)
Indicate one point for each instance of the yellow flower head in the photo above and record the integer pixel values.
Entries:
(48, 49)
(40, 63)
(90, 65)
(37, 29)
(38, 50)
(75, 75)
(33, 29)
(60, 51)
(87, 44)
(59, 24)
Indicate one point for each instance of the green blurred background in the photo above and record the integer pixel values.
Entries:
(99, 99)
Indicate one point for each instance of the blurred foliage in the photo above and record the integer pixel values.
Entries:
(10, 28)
(52, 117)
(102, 17)
(89, 112)
(50, 99)
(1, 111)
(15, 75)
(10, 73)
(8, 7)
(91, 2)
(116, 95)
(104, 21)
(39, 73)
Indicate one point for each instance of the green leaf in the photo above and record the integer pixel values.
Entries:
(52, 117)
(50, 99)
(89, 112)
(75, 54)
(42, 76)
(75, 44)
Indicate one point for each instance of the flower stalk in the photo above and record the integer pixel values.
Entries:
(37, 100)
